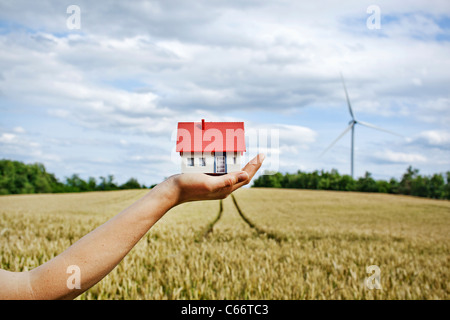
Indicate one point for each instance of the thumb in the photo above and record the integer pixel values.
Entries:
(242, 176)
(231, 179)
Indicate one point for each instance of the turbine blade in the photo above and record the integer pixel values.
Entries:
(378, 128)
(348, 99)
(337, 139)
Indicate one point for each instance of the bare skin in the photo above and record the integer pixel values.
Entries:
(101, 250)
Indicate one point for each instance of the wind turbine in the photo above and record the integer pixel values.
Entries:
(351, 126)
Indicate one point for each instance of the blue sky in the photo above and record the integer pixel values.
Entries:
(105, 99)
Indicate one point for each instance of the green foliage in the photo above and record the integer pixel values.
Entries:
(131, 184)
(412, 183)
(17, 178)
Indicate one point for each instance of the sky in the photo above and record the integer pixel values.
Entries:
(104, 96)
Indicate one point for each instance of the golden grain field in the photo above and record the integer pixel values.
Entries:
(283, 244)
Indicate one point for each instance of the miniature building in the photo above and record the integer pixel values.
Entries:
(210, 147)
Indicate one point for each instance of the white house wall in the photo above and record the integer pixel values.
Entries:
(209, 161)
(231, 167)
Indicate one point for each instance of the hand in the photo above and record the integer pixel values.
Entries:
(195, 186)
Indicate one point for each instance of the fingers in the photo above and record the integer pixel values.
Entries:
(254, 164)
(251, 168)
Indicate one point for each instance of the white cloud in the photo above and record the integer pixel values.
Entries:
(436, 138)
(282, 64)
(16, 141)
(390, 156)
(19, 130)
(435, 110)
(280, 138)
(417, 25)
(7, 138)
(22, 146)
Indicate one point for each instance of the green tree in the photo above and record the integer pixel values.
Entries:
(447, 186)
(420, 186)
(366, 183)
(92, 184)
(405, 185)
(437, 187)
(383, 186)
(393, 185)
(76, 184)
(347, 183)
(132, 183)
(107, 184)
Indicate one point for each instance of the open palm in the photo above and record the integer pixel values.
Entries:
(200, 186)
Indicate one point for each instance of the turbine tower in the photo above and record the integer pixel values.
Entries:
(351, 126)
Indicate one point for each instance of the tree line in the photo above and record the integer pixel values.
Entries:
(17, 177)
(436, 186)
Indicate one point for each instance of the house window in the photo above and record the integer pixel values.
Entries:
(202, 162)
(190, 162)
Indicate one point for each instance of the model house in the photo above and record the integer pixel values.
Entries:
(210, 147)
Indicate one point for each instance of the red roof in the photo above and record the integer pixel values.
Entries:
(213, 137)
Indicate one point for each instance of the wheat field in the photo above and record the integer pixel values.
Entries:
(256, 244)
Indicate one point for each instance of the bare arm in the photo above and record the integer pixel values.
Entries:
(99, 252)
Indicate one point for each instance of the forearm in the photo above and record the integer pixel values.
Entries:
(97, 253)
